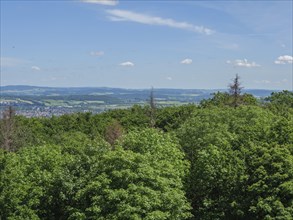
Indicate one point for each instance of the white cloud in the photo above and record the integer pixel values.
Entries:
(127, 63)
(102, 2)
(97, 53)
(36, 68)
(243, 63)
(284, 59)
(123, 15)
(169, 78)
(186, 61)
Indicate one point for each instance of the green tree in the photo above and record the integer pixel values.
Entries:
(216, 172)
(281, 103)
(232, 98)
(268, 190)
(140, 179)
(41, 182)
(172, 117)
(219, 99)
(241, 163)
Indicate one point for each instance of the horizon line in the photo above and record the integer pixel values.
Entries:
(109, 87)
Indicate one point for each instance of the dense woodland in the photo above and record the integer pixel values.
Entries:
(230, 157)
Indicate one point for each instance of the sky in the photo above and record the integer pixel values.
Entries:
(140, 44)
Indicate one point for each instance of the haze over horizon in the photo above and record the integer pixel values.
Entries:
(139, 44)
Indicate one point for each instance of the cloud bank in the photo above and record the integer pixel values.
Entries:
(124, 15)
(243, 63)
(284, 59)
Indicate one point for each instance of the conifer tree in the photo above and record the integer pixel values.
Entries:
(235, 91)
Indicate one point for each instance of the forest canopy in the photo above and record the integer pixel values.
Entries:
(225, 158)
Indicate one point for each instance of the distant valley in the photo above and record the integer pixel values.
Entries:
(33, 101)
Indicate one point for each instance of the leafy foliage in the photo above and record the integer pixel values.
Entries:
(239, 164)
(224, 99)
(210, 161)
(281, 103)
(85, 179)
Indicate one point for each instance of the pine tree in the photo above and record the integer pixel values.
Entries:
(235, 91)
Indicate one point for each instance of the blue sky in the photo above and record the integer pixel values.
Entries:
(139, 44)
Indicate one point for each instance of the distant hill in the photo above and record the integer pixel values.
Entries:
(24, 90)
(34, 101)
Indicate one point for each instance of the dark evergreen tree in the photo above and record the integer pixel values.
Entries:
(235, 91)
